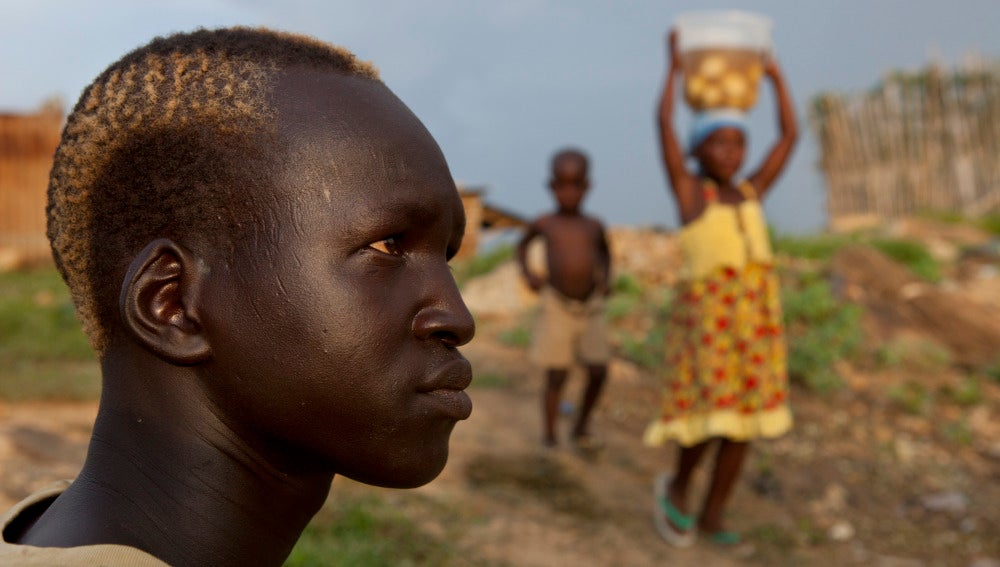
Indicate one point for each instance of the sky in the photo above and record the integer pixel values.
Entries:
(503, 85)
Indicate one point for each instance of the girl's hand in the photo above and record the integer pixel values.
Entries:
(771, 68)
(675, 59)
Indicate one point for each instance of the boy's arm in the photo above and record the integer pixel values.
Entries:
(682, 183)
(534, 281)
(776, 159)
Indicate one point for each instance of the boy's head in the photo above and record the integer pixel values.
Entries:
(569, 182)
(718, 142)
(257, 211)
(170, 139)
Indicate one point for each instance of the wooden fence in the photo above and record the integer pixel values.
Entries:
(926, 141)
(27, 142)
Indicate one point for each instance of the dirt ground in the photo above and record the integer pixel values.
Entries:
(901, 467)
(857, 482)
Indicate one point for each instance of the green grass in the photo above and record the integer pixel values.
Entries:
(645, 348)
(820, 331)
(816, 247)
(967, 394)
(947, 217)
(626, 285)
(365, 530)
(912, 397)
(957, 432)
(43, 352)
(481, 264)
(490, 380)
(990, 223)
(519, 336)
(915, 355)
(913, 255)
(993, 372)
(626, 297)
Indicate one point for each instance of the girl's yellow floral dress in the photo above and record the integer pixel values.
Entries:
(725, 356)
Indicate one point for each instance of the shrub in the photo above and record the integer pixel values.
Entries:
(647, 350)
(820, 331)
(626, 285)
(990, 223)
(913, 255)
(646, 347)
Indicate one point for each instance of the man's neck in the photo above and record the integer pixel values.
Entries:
(172, 479)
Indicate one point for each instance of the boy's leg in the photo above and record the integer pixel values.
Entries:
(596, 376)
(728, 463)
(556, 378)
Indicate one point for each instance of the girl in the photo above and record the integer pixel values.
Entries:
(726, 380)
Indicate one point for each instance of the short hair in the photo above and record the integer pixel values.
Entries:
(160, 143)
(574, 154)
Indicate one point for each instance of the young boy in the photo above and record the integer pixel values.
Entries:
(256, 232)
(571, 323)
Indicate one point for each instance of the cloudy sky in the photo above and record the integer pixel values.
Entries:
(501, 85)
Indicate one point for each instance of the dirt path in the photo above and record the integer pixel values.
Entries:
(856, 482)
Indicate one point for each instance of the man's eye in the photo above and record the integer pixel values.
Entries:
(388, 246)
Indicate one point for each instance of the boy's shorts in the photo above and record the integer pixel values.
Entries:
(569, 331)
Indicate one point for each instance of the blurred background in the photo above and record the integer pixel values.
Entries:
(885, 224)
(502, 85)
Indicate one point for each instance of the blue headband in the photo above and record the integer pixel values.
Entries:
(711, 120)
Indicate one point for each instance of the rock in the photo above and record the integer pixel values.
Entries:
(498, 293)
(841, 531)
(767, 484)
(950, 501)
(969, 329)
(905, 450)
(993, 451)
(891, 561)
(968, 525)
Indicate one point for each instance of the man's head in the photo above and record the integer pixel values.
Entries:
(170, 139)
(280, 241)
(569, 182)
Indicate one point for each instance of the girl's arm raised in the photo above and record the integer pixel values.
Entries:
(776, 159)
(682, 183)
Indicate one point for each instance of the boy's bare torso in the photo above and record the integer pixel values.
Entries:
(575, 252)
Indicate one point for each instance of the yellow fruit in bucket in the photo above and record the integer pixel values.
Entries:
(735, 86)
(694, 88)
(711, 97)
(711, 66)
(722, 57)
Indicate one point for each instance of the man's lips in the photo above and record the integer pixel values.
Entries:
(455, 375)
(445, 389)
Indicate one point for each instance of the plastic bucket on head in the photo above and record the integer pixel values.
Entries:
(722, 55)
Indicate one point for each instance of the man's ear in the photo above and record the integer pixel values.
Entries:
(159, 302)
